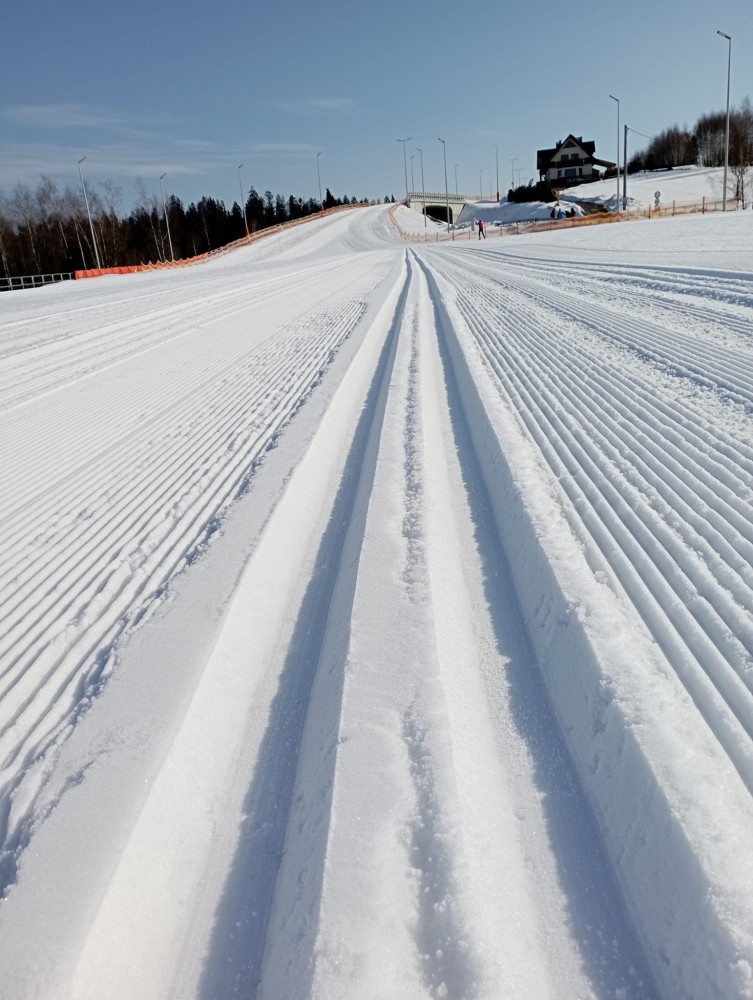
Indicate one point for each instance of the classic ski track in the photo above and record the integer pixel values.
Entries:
(413, 540)
(122, 553)
(641, 545)
(272, 656)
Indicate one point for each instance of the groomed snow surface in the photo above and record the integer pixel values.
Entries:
(377, 620)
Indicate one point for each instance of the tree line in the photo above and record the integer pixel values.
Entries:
(704, 145)
(46, 230)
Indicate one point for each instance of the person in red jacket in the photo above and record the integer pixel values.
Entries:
(481, 231)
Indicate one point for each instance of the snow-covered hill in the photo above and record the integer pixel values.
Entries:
(683, 186)
(377, 620)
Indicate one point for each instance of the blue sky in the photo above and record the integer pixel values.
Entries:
(195, 89)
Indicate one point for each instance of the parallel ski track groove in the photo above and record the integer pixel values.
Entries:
(290, 372)
(733, 376)
(696, 644)
(23, 377)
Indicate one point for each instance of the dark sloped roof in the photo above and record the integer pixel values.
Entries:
(544, 156)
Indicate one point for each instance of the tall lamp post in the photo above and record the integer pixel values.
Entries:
(412, 182)
(726, 130)
(423, 186)
(446, 189)
(456, 179)
(243, 201)
(617, 164)
(405, 165)
(167, 221)
(86, 202)
(319, 179)
(496, 156)
(513, 160)
(624, 160)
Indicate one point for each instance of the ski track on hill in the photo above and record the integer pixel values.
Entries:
(476, 719)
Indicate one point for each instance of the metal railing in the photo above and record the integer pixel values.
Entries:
(33, 280)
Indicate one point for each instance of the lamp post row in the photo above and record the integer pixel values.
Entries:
(512, 161)
(164, 207)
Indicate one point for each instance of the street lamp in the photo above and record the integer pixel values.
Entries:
(405, 165)
(496, 156)
(726, 130)
(423, 187)
(86, 202)
(167, 221)
(412, 182)
(627, 129)
(446, 191)
(243, 201)
(617, 164)
(456, 179)
(513, 160)
(319, 178)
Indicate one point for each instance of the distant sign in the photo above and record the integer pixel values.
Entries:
(657, 197)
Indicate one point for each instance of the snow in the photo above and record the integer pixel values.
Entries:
(682, 185)
(377, 619)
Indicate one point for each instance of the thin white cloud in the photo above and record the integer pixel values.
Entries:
(312, 106)
(49, 116)
(123, 160)
(283, 148)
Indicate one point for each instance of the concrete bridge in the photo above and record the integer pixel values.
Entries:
(436, 203)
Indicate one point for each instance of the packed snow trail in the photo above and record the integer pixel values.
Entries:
(109, 501)
(454, 699)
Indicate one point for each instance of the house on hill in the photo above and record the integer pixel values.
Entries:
(572, 161)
